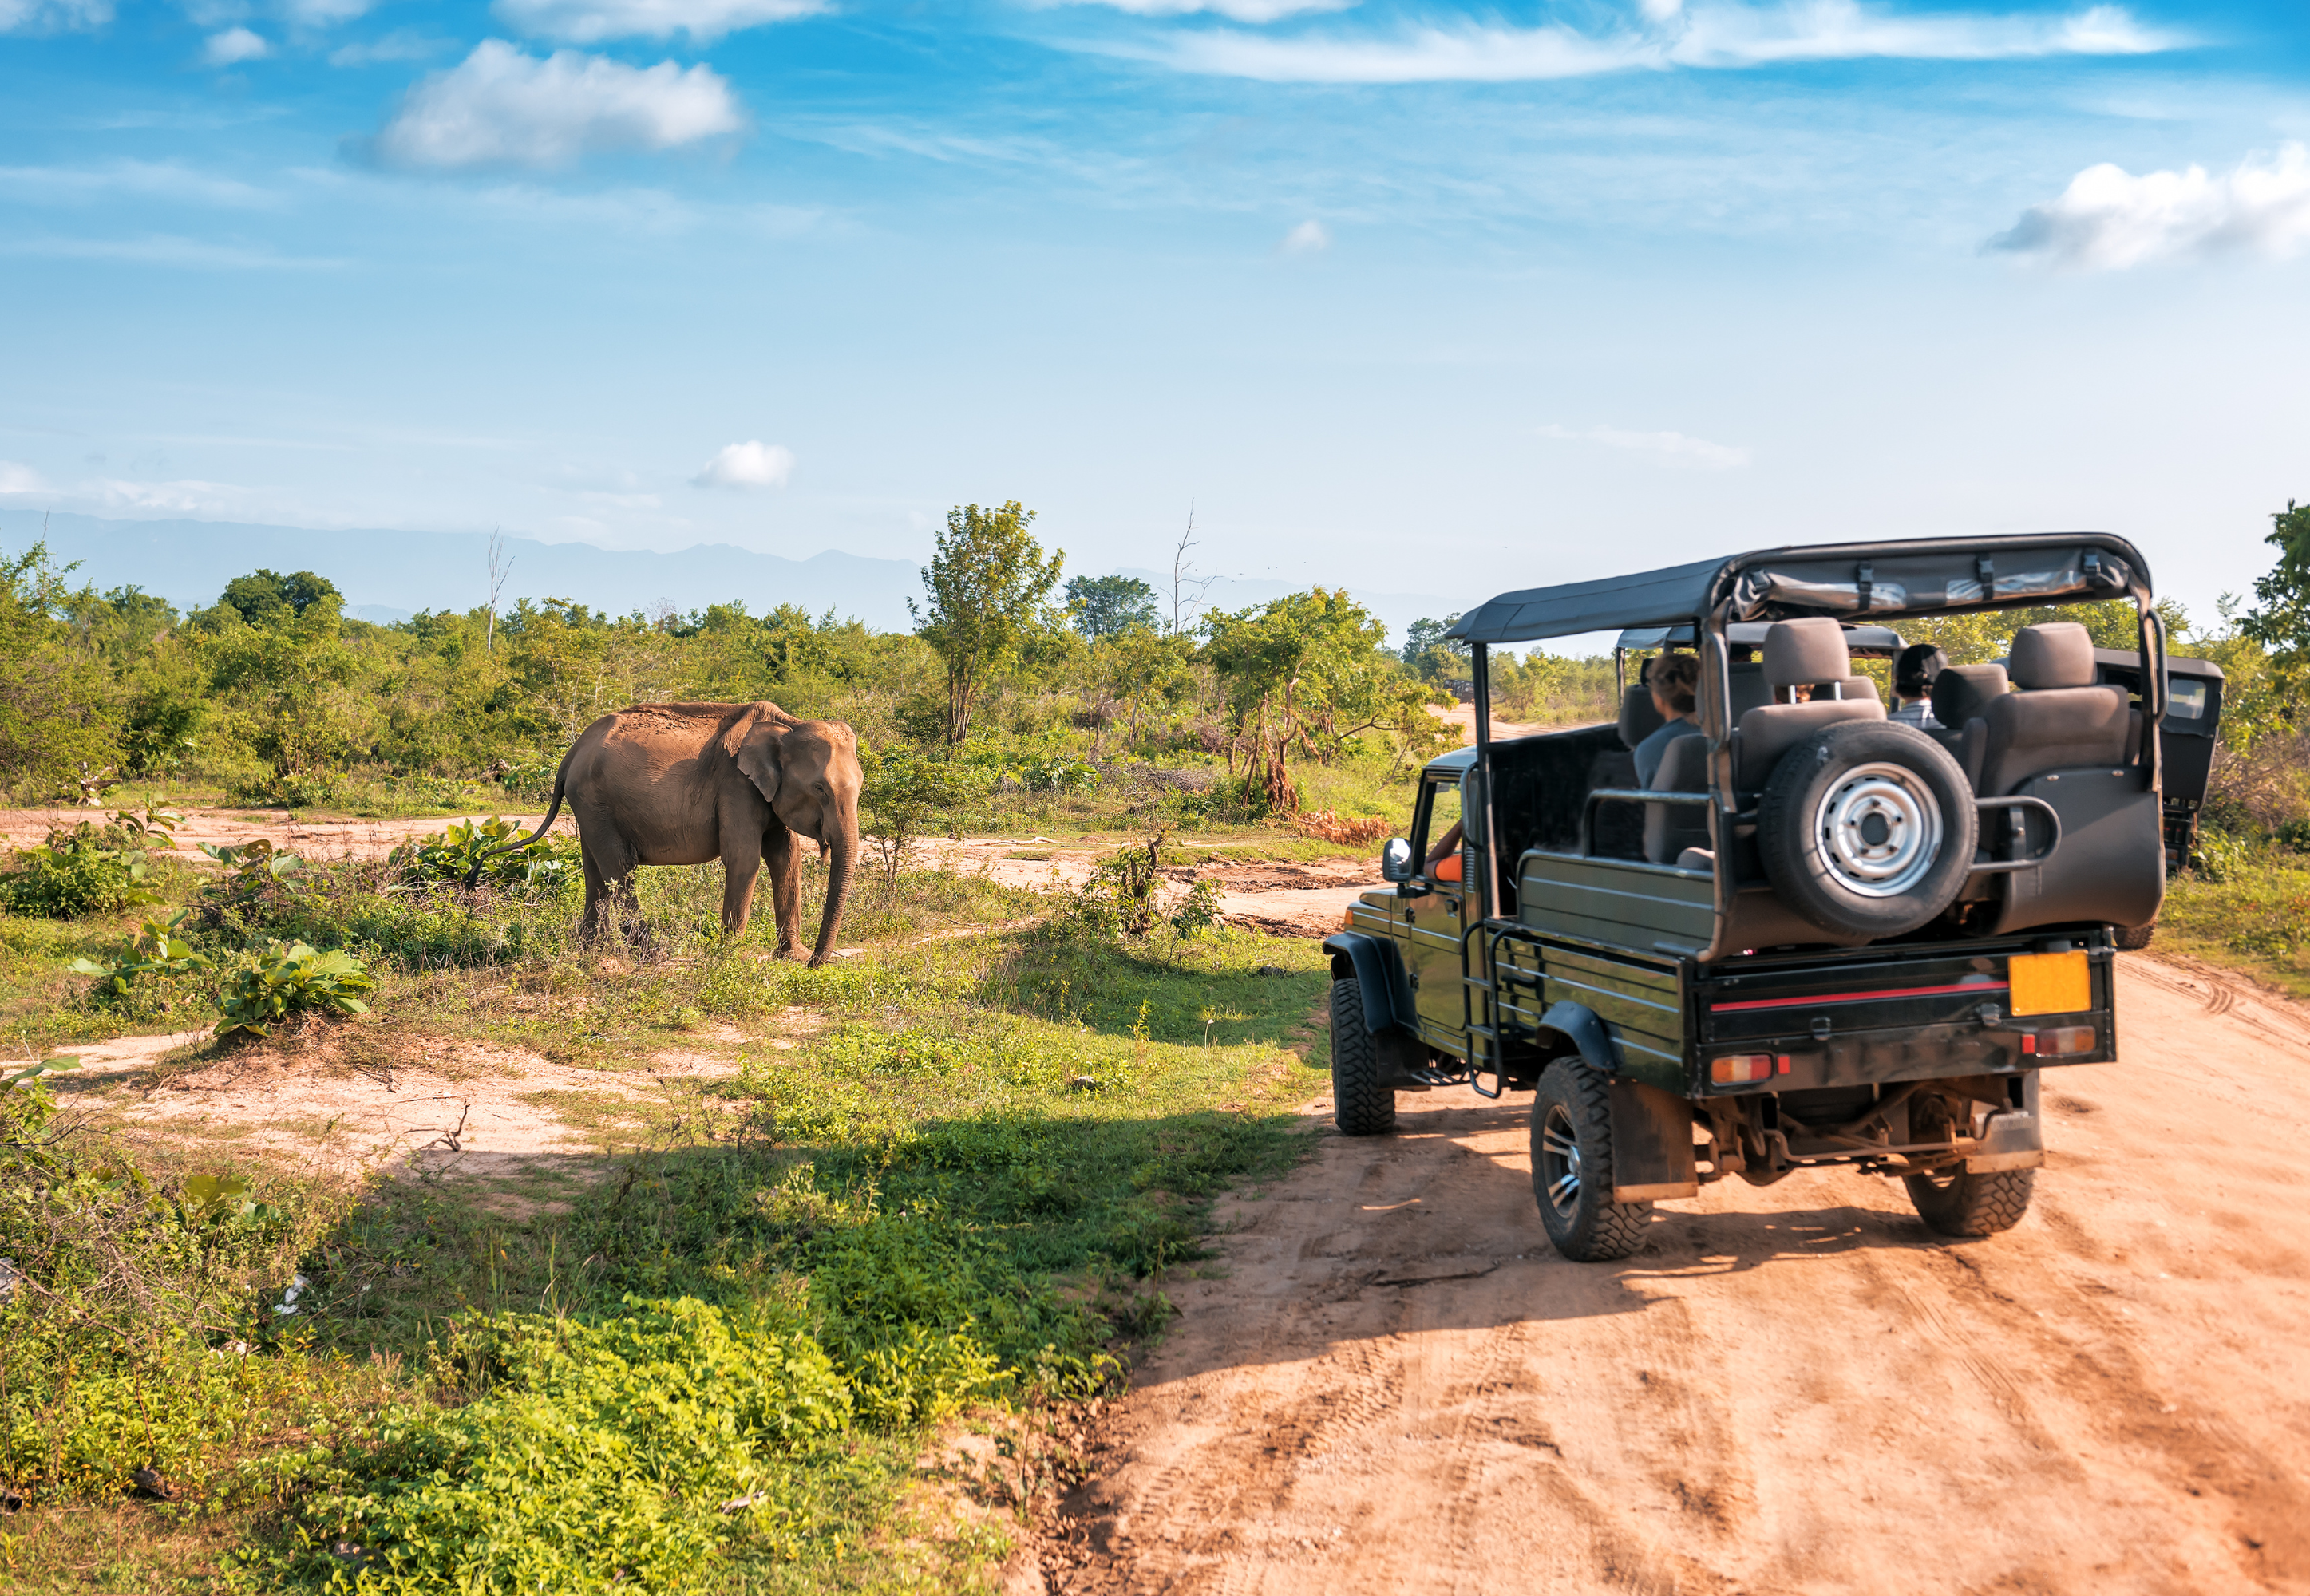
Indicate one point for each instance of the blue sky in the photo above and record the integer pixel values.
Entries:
(1409, 297)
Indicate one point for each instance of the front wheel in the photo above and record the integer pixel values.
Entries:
(1959, 1203)
(1360, 1105)
(1572, 1168)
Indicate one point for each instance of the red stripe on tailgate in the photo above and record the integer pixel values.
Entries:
(1984, 987)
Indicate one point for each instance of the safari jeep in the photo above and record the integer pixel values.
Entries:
(1821, 937)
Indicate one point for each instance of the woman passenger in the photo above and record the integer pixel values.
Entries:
(1674, 679)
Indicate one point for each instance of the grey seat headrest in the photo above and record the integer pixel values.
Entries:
(1964, 692)
(1801, 652)
(2058, 654)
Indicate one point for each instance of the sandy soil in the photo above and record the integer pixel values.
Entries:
(1296, 899)
(1394, 1385)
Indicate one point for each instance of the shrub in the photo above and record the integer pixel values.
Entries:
(142, 985)
(87, 870)
(288, 978)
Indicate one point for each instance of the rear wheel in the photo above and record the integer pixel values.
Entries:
(2133, 938)
(1959, 1203)
(1360, 1105)
(1572, 1168)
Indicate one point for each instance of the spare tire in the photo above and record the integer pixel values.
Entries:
(1867, 828)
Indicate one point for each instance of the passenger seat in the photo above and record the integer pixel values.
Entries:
(1809, 653)
(1962, 695)
(2061, 719)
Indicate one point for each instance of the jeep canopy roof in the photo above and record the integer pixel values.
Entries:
(1847, 581)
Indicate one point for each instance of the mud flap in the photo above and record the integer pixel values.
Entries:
(1651, 1143)
(2014, 1138)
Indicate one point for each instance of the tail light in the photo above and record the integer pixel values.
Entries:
(1742, 1068)
(2061, 1041)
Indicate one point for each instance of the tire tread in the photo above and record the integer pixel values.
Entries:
(1976, 1204)
(1360, 1105)
(1615, 1229)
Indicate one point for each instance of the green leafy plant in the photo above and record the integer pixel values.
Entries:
(450, 854)
(288, 978)
(141, 985)
(87, 870)
(1199, 911)
(902, 795)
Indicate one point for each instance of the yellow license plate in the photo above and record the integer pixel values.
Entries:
(2050, 983)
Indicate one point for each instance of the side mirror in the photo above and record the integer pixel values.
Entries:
(1395, 861)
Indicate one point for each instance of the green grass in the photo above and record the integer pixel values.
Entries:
(956, 1191)
(2255, 919)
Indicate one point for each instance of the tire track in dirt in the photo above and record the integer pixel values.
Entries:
(1396, 1386)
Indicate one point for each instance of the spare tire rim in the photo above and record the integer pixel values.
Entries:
(1559, 1160)
(1880, 831)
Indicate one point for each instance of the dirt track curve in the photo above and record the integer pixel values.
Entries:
(1394, 1385)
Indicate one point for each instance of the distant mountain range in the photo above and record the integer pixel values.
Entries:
(389, 575)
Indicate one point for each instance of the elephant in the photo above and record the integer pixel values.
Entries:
(682, 784)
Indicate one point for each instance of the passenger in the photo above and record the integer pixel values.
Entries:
(1674, 679)
(1444, 858)
(1913, 684)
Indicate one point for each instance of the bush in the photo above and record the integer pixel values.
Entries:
(289, 978)
(84, 870)
(144, 986)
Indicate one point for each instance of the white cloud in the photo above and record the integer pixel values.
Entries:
(590, 21)
(1307, 238)
(747, 465)
(1720, 36)
(52, 16)
(234, 46)
(1673, 448)
(2107, 219)
(502, 108)
(16, 478)
(1235, 11)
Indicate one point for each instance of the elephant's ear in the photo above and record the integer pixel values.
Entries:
(761, 754)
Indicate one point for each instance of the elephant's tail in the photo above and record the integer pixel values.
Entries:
(474, 876)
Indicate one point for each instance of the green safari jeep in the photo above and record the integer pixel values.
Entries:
(1820, 936)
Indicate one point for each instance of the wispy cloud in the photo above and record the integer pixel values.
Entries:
(163, 250)
(747, 465)
(502, 107)
(1710, 37)
(1672, 449)
(17, 479)
(590, 21)
(403, 44)
(2107, 219)
(149, 180)
(52, 16)
(234, 46)
(1235, 11)
(1309, 236)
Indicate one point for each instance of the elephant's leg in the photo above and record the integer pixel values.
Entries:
(592, 919)
(742, 862)
(783, 851)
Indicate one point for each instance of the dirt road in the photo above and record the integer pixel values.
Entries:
(1394, 1385)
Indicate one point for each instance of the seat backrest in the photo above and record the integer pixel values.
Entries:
(1670, 829)
(1962, 695)
(1857, 688)
(2060, 720)
(1751, 691)
(1640, 718)
(1809, 653)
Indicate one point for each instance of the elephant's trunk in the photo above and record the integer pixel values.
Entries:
(845, 851)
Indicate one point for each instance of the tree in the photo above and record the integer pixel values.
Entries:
(2281, 621)
(1433, 656)
(54, 714)
(1305, 668)
(1108, 606)
(985, 586)
(264, 597)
